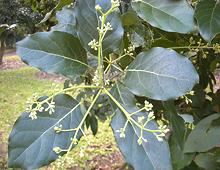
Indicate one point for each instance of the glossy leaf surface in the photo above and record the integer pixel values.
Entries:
(31, 142)
(54, 52)
(171, 16)
(203, 137)
(208, 16)
(160, 74)
(66, 21)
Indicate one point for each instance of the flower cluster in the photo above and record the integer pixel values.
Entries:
(216, 48)
(121, 132)
(98, 8)
(188, 100)
(34, 106)
(139, 124)
(94, 44)
(163, 130)
(129, 51)
(58, 129)
(115, 3)
(148, 106)
(199, 46)
(106, 27)
(57, 150)
(51, 107)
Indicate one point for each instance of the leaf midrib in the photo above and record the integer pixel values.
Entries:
(157, 74)
(75, 60)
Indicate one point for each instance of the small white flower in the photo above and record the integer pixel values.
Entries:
(58, 129)
(107, 81)
(108, 27)
(41, 109)
(148, 106)
(122, 132)
(115, 3)
(98, 8)
(33, 115)
(93, 44)
(57, 150)
(159, 138)
(151, 115)
(51, 107)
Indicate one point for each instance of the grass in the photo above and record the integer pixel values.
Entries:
(16, 86)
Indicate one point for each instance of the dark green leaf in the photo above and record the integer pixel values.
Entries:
(54, 52)
(162, 42)
(66, 21)
(87, 23)
(94, 125)
(140, 35)
(152, 155)
(208, 16)
(123, 96)
(204, 137)
(130, 18)
(161, 74)
(206, 161)
(177, 139)
(31, 142)
(171, 16)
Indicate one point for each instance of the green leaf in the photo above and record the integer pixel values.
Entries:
(171, 16)
(58, 7)
(208, 16)
(87, 23)
(94, 125)
(66, 21)
(161, 74)
(152, 155)
(54, 52)
(122, 94)
(206, 161)
(177, 139)
(31, 142)
(139, 35)
(130, 18)
(204, 137)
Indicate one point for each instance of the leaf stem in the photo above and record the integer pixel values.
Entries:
(127, 115)
(82, 121)
(192, 47)
(102, 33)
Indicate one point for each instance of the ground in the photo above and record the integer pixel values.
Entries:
(17, 83)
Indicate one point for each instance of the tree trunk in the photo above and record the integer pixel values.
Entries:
(2, 50)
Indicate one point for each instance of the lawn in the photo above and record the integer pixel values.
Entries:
(16, 85)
